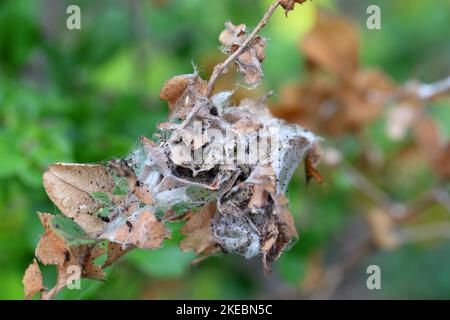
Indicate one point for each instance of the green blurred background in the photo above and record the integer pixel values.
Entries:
(87, 95)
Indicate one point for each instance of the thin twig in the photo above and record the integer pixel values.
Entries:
(442, 197)
(336, 273)
(221, 67)
(427, 91)
(417, 206)
(366, 187)
(399, 212)
(428, 232)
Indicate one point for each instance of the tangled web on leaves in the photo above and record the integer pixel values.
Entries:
(112, 208)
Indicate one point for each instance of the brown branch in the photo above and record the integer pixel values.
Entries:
(336, 273)
(428, 91)
(399, 212)
(428, 232)
(221, 67)
(441, 196)
(414, 208)
(365, 186)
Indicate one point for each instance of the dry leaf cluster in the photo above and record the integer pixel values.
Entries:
(109, 209)
(339, 96)
(249, 61)
(340, 100)
(288, 5)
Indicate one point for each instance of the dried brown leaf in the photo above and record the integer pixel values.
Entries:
(433, 146)
(65, 273)
(336, 107)
(70, 186)
(233, 35)
(51, 249)
(428, 136)
(249, 61)
(286, 220)
(87, 177)
(143, 193)
(115, 252)
(79, 258)
(288, 5)
(173, 89)
(259, 197)
(310, 171)
(198, 231)
(32, 280)
(333, 44)
(182, 93)
(142, 230)
(442, 162)
(84, 257)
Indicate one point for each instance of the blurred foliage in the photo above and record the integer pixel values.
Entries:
(87, 95)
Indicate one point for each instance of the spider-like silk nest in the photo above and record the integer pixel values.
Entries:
(231, 196)
(251, 215)
(221, 168)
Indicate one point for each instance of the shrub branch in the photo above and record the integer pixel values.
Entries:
(222, 67)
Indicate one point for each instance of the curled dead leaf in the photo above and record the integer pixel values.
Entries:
(51, 249)
(198, 231)
(182, 93)
(345, 102)
(333, 44)
(79, 262)
(279, 232)
(173, 89)
(442, 162)
(249, 61)
(32, 280)
(259, 198)
(142, 230)
(288, 5)
(114, 252)
(310, 171)
(70, 187)
(233, 35)
(432, 144)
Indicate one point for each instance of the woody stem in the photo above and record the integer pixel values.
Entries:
(221, 67)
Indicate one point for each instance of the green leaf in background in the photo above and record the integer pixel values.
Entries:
(292, 267)
(10, 162)
(166, 262)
